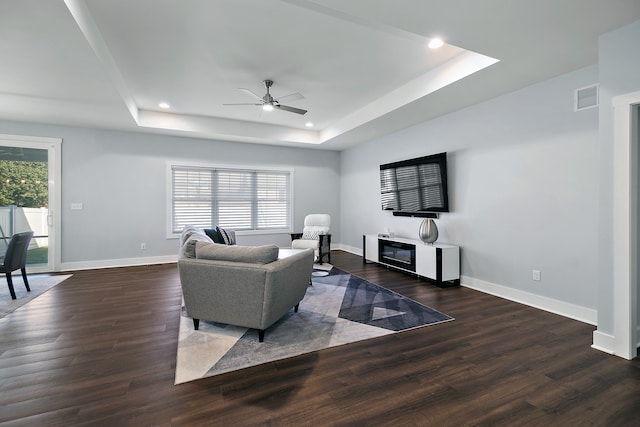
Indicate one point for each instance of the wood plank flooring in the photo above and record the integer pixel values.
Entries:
(99, 350)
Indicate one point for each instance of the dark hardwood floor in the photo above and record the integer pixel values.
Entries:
(99, 350)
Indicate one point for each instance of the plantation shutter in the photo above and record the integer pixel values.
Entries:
(234, 196)
(192, 200)
(240, 199)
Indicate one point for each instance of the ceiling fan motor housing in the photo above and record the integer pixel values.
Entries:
(268, 98)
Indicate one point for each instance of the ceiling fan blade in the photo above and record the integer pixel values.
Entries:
(290, 109)
(248, 92)
(243, 103)
(290, 97)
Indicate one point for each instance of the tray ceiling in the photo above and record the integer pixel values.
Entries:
(363, 66)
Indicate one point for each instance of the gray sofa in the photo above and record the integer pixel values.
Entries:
(240, 285)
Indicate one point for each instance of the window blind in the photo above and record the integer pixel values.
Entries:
(240, 199)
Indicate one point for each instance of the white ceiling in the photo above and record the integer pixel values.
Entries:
(362, 65)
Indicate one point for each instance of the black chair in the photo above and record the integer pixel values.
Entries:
(16, 258)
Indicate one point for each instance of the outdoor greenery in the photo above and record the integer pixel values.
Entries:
(24, 184)
(38, 256)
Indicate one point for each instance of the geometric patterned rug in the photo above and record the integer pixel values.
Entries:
(338, 308)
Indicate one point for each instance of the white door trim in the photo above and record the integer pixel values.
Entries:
(53, 147)
(625, 218)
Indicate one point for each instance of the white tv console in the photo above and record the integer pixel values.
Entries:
(438, 262)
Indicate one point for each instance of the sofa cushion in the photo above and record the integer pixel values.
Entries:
(249, 254)
(215, 235)
(304, 244)
(227, 236)
(189, 247)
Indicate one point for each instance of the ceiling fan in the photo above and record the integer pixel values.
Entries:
(268, 102)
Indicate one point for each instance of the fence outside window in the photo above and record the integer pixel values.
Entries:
(15, 219)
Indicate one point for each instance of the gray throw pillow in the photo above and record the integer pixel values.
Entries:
(250, 254)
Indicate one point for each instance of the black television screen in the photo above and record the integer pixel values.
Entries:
(415, 185)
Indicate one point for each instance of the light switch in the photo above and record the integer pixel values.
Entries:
(76, 206)
(536, 275)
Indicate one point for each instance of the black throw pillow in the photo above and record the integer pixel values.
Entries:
(227, 237)
(214, 235)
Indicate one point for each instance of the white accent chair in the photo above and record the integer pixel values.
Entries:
(315, 235)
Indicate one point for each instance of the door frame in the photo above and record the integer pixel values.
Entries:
(625, 224)
(53, 147)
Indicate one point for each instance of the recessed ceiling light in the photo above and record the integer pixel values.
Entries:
(309, 124)
(435, 43)
(164, 105)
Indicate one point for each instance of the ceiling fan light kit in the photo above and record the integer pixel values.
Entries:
(268, 102)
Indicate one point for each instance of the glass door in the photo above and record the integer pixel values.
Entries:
(27, 197)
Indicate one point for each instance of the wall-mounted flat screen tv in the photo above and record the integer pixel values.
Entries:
(415, 186)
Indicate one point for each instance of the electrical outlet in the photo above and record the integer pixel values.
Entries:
(143, 246)
(536, 275)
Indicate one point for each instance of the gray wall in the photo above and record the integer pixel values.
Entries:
(523, 188)
(120, 177)
(619, 65)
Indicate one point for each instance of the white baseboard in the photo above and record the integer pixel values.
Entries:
(351, 249)
(603, 342)
(572, 311)
(113, 263)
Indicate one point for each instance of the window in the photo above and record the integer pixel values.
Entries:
(240, 199)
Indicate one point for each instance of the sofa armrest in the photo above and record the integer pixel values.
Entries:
(325, 240)
(286, 284)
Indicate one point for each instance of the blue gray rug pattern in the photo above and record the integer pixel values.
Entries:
(337, 309)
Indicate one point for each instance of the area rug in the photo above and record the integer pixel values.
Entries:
(39, 284)
(338, 308)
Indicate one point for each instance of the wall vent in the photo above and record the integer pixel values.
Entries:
(585, 97)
